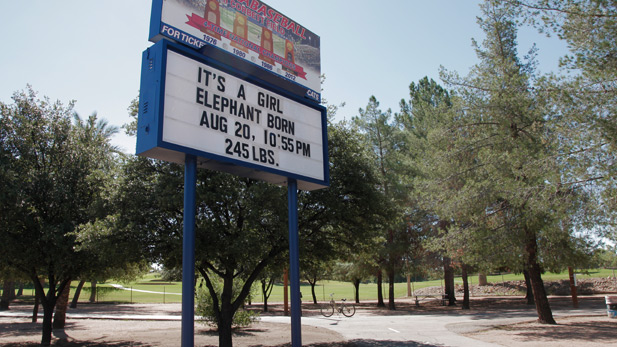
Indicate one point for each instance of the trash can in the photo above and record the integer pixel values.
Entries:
(611, 306)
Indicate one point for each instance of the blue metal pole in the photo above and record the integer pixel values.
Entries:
(294, 263)
(188, 253)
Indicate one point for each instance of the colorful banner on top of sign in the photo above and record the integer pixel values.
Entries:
(251, 30)
(202, 24)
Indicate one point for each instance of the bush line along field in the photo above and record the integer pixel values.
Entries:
(151, 289)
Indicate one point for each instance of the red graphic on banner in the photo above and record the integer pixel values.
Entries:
(213, 14)
(267, 44)
(202, 24)
(241, 30)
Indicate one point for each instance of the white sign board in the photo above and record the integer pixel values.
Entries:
(228, 119)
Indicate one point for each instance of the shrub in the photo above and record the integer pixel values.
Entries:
(205, 308)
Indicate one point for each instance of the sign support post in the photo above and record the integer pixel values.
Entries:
(294, 263)
(188, 253)
(236, 104)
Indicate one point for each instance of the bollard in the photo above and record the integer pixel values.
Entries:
(611, 306)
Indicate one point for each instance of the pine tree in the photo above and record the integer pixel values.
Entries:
(497, 170)
(585, 94)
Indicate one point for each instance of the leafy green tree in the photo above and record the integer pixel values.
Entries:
(327, 218)
(269, 277)
(9, 278)
(429, 107)
(361, 268)
(240, 231)
(584, 93)
(110, 254)
(94, 136)
(241, 224)
(113, 252)
(106, 253)
(606, 258)
(357, 208)
(50, 177)
(498, 165)
(313, 270)
(386, 141)
(171, 274)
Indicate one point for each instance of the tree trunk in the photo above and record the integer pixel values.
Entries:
(8, 287)
(482, 279)
(391, 305)
(448, 278)
(92, 298)
(11, 288)
(48, 311)
(37, 300)
(408, 285)
(49, 303)
(313, 291)
(545, 315)
(61, 306)
(225, 330)
(465, 287)
(265, 304)
(286, 292)
(225, 317)
(35, 310)
(380, 302)
(264, 291)
(77, 293)
(529, 294)
(20, 290)
(356, 286)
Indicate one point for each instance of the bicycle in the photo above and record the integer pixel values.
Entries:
(346, 309)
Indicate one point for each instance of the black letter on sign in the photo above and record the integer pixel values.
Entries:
(204, 119)
(221, 86)
(241, 93)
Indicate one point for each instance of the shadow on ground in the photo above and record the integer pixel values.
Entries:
(353, 343)
(63, 343)
(236, 333)
(366, 343)
(18, 329)
(60, 337)
(597, 331)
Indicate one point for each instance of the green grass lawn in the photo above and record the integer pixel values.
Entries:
(368, 291)
(159, 291)
(149, 289)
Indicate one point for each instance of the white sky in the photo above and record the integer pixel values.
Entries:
(90, 51)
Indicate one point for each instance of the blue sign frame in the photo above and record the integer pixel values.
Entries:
(151, 115)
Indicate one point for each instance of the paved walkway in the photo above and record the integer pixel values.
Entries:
(393, 329)
(441, 329)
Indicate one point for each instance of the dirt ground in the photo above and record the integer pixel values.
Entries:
(100, 333)
(148, 332)
(573, 330)
(569, 331)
